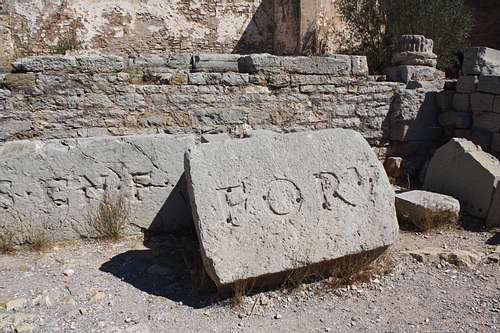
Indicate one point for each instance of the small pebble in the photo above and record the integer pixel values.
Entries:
(69, 272)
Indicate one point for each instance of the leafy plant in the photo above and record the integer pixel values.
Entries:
(110, 217)
(375, 27)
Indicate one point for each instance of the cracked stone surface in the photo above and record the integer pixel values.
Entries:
(269, 204)
(52, 186)
(461, 169)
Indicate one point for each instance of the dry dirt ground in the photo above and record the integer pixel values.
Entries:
(139, 285)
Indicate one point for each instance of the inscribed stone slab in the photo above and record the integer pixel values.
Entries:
(269, 204)
(53, 185)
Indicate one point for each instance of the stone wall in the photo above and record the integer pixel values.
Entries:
(84, 96)
(282, 27)
(471, 108)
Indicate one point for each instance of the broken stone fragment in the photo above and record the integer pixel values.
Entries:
(464, 171)
(456, 257)
(427, 210)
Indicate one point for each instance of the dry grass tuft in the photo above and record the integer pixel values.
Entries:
(296, 277)
(41, 241)
(110, 217)
(7, 241)
(241, 288)
(361, 267)
(202, 283)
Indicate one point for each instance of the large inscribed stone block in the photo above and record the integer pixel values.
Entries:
(51, 186)
(269, 204)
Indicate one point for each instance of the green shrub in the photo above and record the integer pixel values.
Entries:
(375, 27)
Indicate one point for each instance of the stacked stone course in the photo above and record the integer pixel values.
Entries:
(471, 109)
(83, 96)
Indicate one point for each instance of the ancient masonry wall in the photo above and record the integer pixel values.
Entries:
(86, 96)
(472, 111)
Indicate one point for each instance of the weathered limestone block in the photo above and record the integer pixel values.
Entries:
(359, 65)
(197, 79)
(478, 137)
(465, 172)
(467, 84)
(413, 116)
(147, 60)
(495, 142)
(339, 65)
(496, 104)
(9, 128)
(216, 62)
(99, 64)
(393, 166)
(180, 61)
(489, 84)
(481, 102)
(44, 63)
(52, 185)
(262, 63)
(427, 210)
(455, 119)
(179, 79)
(432, 78)
(234, 79)
(269, 204)
(487, 121)
(444, 99)
(415, 50)
(16, 80)
(481, 60)
(461, 102)
(222, 116)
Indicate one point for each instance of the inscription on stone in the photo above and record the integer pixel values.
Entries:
(283, 197)
(263, 204)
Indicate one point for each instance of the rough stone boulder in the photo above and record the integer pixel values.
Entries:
(271, 204)
(426, 209)
(464, 171)
(52, 186)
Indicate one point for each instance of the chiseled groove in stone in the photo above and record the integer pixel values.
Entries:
(265, 205)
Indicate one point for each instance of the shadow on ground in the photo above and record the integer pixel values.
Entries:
(170, 267)
(494, 240)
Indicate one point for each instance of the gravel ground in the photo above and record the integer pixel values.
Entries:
(139, 285)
